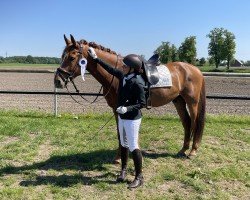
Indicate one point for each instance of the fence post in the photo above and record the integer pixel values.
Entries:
(55, 100)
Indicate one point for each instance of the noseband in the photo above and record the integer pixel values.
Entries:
(65, 76)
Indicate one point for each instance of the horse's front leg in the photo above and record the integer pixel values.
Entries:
(118, 152)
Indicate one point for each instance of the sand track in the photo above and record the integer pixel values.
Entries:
(44, 82)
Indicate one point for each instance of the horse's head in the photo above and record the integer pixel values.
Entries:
(70, 68)
(74, 52)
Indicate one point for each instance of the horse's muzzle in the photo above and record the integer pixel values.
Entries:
(61, 75)
(58, 83)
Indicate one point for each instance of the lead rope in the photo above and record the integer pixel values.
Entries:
(106, 123)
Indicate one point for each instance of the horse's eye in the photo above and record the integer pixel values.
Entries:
(71, 58)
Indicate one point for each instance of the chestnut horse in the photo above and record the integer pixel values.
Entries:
(187, 92)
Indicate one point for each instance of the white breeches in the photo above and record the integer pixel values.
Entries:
(129, 131)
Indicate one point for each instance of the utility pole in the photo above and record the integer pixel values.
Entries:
(6, 54)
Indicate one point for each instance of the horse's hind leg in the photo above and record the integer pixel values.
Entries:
(193, 110)
(180, 105)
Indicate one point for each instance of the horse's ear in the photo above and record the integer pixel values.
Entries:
(73, 40)
(67, 41)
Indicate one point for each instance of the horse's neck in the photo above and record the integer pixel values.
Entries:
(100, 74)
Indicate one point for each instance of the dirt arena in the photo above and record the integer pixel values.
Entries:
(44, 82)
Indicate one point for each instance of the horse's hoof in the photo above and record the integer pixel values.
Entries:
(181, 155)
(192, 155)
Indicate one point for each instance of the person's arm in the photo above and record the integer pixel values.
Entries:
(105, 65)
(116, 72)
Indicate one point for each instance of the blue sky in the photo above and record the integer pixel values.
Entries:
(36, 27)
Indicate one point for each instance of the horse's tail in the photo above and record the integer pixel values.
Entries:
(200, 121)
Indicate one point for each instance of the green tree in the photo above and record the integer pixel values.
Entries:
(247, 63)
(229, 46)
(29, 59)
(165, 52)
(187, 51)
(168, 52)
(174, 53)
(211, 61)
(1, 59)
(221, 46)
(202, 61)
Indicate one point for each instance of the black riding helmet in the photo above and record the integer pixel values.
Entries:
(134, 61)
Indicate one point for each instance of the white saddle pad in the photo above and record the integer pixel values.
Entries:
(165, 79)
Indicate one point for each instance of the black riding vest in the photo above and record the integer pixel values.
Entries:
(131, 95)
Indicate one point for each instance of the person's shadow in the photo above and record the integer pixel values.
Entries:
(80, 163)
(91, 161)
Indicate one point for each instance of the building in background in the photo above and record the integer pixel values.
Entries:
(237, 63)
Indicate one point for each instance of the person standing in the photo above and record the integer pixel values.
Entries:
(131, 99)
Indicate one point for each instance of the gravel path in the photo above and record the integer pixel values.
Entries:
(44, 82)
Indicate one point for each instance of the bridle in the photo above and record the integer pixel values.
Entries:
(67, 77)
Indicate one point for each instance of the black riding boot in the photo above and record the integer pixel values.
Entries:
(137, 158)
(124, 159)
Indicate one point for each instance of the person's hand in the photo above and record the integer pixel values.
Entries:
(92, 53)
(121, 110)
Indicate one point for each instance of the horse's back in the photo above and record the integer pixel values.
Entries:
(189, 77)
(184, 69)
(185, 73)
(183, 76)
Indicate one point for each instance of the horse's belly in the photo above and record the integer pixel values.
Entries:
(162, 96)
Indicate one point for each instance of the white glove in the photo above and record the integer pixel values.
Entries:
(92, 53)
(121, 110)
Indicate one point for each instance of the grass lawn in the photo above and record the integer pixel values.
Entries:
(224, 69)
(43, 157)
(20, 66)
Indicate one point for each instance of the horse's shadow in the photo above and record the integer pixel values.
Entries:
(79, 163)
(154, 155)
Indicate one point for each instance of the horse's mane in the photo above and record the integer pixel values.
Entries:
(90, 44)
(97, 46)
